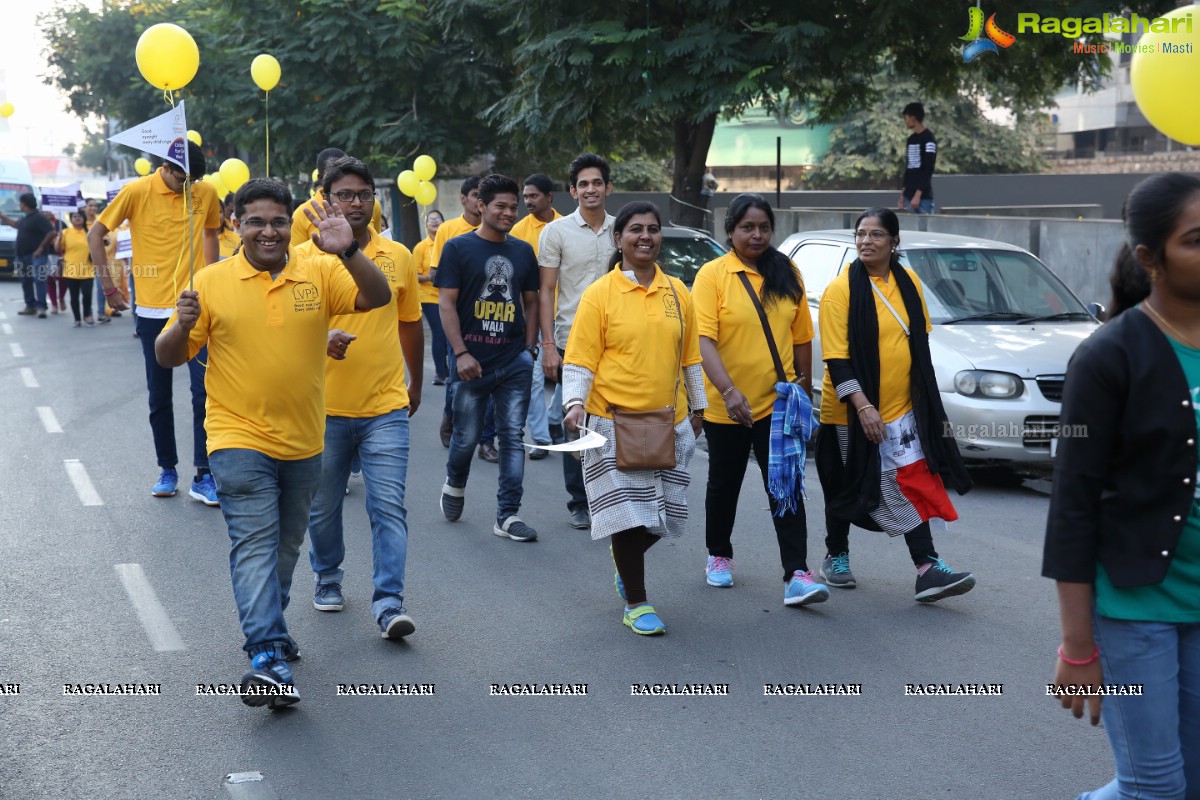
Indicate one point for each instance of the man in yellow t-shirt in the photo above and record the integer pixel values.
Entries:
(538, 194)
(156, 210)
(302, 229)
(265, 314)
(422, 254)
(367, 408)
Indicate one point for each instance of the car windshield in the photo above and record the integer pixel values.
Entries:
(682, 257)
(963, 284)
(10, 198)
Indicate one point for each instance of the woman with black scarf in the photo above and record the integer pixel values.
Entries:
(884, 448)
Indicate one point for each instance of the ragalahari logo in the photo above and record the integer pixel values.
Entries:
(979, 45)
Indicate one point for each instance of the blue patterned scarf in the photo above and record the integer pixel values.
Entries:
(791, 427)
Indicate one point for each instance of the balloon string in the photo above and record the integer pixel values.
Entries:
(267, 104)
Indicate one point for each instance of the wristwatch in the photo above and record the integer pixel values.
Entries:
(350, 251)
(533, 350)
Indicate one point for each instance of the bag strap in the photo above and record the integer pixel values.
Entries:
(879, 294)
(762, 317)
(679, 366)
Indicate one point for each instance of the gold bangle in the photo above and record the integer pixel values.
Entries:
(864, 407)
(727, 391)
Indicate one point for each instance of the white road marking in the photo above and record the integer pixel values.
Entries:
(6, 328)
(49, 421)
(158, 626)
(16, 350)
(83, 484)
(28, 379)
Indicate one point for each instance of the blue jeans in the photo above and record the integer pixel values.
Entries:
(162, 406)
(926, 205)
(554, 413)
(1155, 738)
(382, 445)
(266, 504)
(438, 338)
(572, 467)
(539, 422)
(508, 388)
(488, 432)
(100, 298)
(32, 270)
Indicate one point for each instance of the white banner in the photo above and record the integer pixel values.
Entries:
(112, 188)
(164, 136)
(124, 244)
(61, 199)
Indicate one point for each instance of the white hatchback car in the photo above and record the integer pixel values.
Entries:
(1004, 328)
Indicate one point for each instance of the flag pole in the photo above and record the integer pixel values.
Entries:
(187, 194)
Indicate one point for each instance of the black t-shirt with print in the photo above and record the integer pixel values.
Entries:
(920, 156)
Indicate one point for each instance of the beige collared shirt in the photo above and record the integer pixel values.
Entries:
(580, 255)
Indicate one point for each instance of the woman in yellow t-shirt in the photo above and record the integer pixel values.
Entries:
(741, 375)
(429, 296)
(228, 239)
(884, 449)
(77, 267)
(634, 329)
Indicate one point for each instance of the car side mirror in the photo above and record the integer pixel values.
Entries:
(1097, 310)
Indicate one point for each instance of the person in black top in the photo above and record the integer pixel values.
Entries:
(920, 155)
(1123, 533)
(488, 284)
(35, 234)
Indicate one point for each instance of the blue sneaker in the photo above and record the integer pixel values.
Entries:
(268, 682)
(718, 571)
(167, 484)
(395, 624)
(644, 620)
(205, 490)
(801, 590)
(835, 571)
(328, 597)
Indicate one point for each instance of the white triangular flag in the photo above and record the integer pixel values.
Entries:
(164, 136)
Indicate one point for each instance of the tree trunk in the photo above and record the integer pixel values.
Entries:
(412, 227)
(692, 140)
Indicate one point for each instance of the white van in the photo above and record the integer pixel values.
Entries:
(15, 180)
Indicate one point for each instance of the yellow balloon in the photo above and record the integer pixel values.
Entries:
(408, 182)
(142, 166)
(1166, 77)
(194, 136)
(167, 56)
(426, 193)
(6, 110)
(234, 173)
(215, 179)
(264, 69)
(424, 168)
(315, 175)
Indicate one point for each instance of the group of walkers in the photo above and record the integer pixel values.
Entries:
(306, 350)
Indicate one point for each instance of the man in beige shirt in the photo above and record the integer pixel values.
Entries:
(573, 251)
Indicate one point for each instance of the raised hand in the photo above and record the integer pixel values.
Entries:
(333, 234)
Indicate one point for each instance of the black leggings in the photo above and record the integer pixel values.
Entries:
(629, 551)
(919, 540)
(75, 286)
(729, 449)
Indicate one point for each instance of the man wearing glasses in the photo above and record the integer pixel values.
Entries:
(367, 408)
(158, 223)
(265, 315)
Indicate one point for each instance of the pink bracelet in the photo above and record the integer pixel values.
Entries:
(1074, 663)
(110, 294)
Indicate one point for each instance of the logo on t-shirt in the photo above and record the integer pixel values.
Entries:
(387, 267)
(495, 306)
(499, 278)
(670, 306)
(307, 297)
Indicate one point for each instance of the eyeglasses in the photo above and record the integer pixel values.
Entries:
(874, 236)
(366, 196)
(277, 223)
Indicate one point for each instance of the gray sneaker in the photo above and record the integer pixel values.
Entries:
(395, 624)
(515, 529)
(579, 518)
(328, 597)
(453, 500)
(835, 571)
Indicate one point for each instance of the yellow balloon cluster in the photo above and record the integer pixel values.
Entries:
(167, 56)
(234, 173)
(417, 182)
(195, 138)
(142, 166)
(6, 110)
(264, 69)
(215, 179)
(1166, 77)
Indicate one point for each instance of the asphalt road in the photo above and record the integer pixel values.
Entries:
(488, 611)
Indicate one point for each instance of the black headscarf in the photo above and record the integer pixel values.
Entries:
(857, 493)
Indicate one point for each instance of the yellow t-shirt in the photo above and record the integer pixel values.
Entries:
(445, 232)
(421, 257)
(229, 241)
(370, 381)
(629, 336)
(158, 223)
(302, 229)
(75, 260)
(267, 341)
(529, 229)
(895, 360)
(725, 314)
